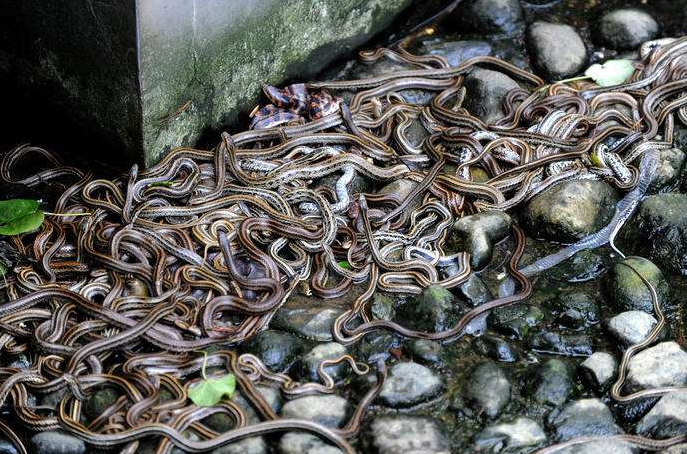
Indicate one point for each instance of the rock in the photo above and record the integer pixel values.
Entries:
(553, 383)
(499, 349)
(628, 291)
(277, 349)
(409, 384)
(7, 448)
(516, 320)
(626, 29)
(670, 165)
(486, 91)
(304, 443)
(577, 309)
(376, 345)
(490, 16)
(570, 210)
(589, 417)
(475, 291)
(406, 434)
(562, 343)
(479, 232)
(557, 50)
(426, 351)
(455, 52)
(328, 410)
(307, 319)
(677, 449)
(664, 364)
(99, 400)
(252, 445)
(596, 447)
(599, 369)
(221, 422)
(382, 307)
(583, 266)
(488, 389)
(667, 418)
(402, 188)
(659, 230)
(359, 184)
(433, 311)
(314, 357)
(631, 327)
(56, 442)
(507, 437)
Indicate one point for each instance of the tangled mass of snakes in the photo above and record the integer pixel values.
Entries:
(141, 274)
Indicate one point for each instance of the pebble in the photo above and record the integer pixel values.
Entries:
(628, 291)
(599, 369)
(589, 417)
(434, 310)
(406, 434)
(328, 410)
(409, 384)
(510, 436)
(475, 291)
(480, 232)
(570, 210)
(631, 327)
(667, 418)
(276, 349)
(56, 442)
(304, 443)
(330, 350)
(626, 28)
(488, 389)
(553, 382)
(307, 318)
(486, 91)
(664, 364)
(557, 49)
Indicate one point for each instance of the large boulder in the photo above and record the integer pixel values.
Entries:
(626, 28)
(557, 50)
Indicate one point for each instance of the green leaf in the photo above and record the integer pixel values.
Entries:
(16, 208)
(345, 265)
(612, 72)
(164, 184)
(26, 224)
(210, 391)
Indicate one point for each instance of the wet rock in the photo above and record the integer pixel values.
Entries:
(409, 384)
(402, 188)
(404, 433)
(626, 28)
(486, 91)
(577, 309)
(307, 319)
(475, 291)
(570, 210)
(455, 52)
(330, 350)
(589, 417)
(677, 449)
(583, 266)
(557, 50)
(382, 307)
(433, 311)
(479, 233)
(664, 364)
(631, 327)
(220, 422)
(305, 443)
(508, 437)
(628, 291)
(7, 448)
(252, 445)
(671, 163)
(99, 400)
(56, 442)
(376, 345)
(601, 446)
(599, 369)
(553, 382)
(328, 410)
(516, 321)
(426, 351)
(490, 16)
(562, 343)
(667, 419)
(277, 349)
(659, 230)
(488, 389)
(499, 349)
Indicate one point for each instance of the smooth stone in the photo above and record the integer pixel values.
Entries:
(99, 400)
(480, 232)
(402, 189)
(667, 418)
(600, 446)
(664, 364)
(409, 384)
(557, 49)
(7, 448)
(455, 52)
(570, 210)
(631, 327)
(276, 349)
(488, 389)
(509, 436)
(307, 318)
(56, 442)
(584, 266)
(475, 291)
(489, 16)
(426, 351)
(382, 307)
(671, 164)
(328, 410)
(553, 382)
(585, 417)
(376, 345)
(434, 310)
(626, 28)
(406, 434)
(252, 445)
(628, 291)
(599, 369)
(499, 349)
(330, 350)
(486, 92)
(562, 343)
(305, 443)
(516, 321)
(577, 309)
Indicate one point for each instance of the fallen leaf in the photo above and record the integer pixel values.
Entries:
(611, 72)
(209, 392)
(19, 216)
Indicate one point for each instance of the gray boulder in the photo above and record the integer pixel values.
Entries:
(631, 327)
(486, 91)
(56, 442)
(508, 437)
(406, 434)
(479, 232)
(409, 384)
(664, 364)
(585, 417)
(630, 293)
(599, 369)
(557, 50)
(626, 28)
(488, 389)
(304, 443)
(667, 418)
(328, 410)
